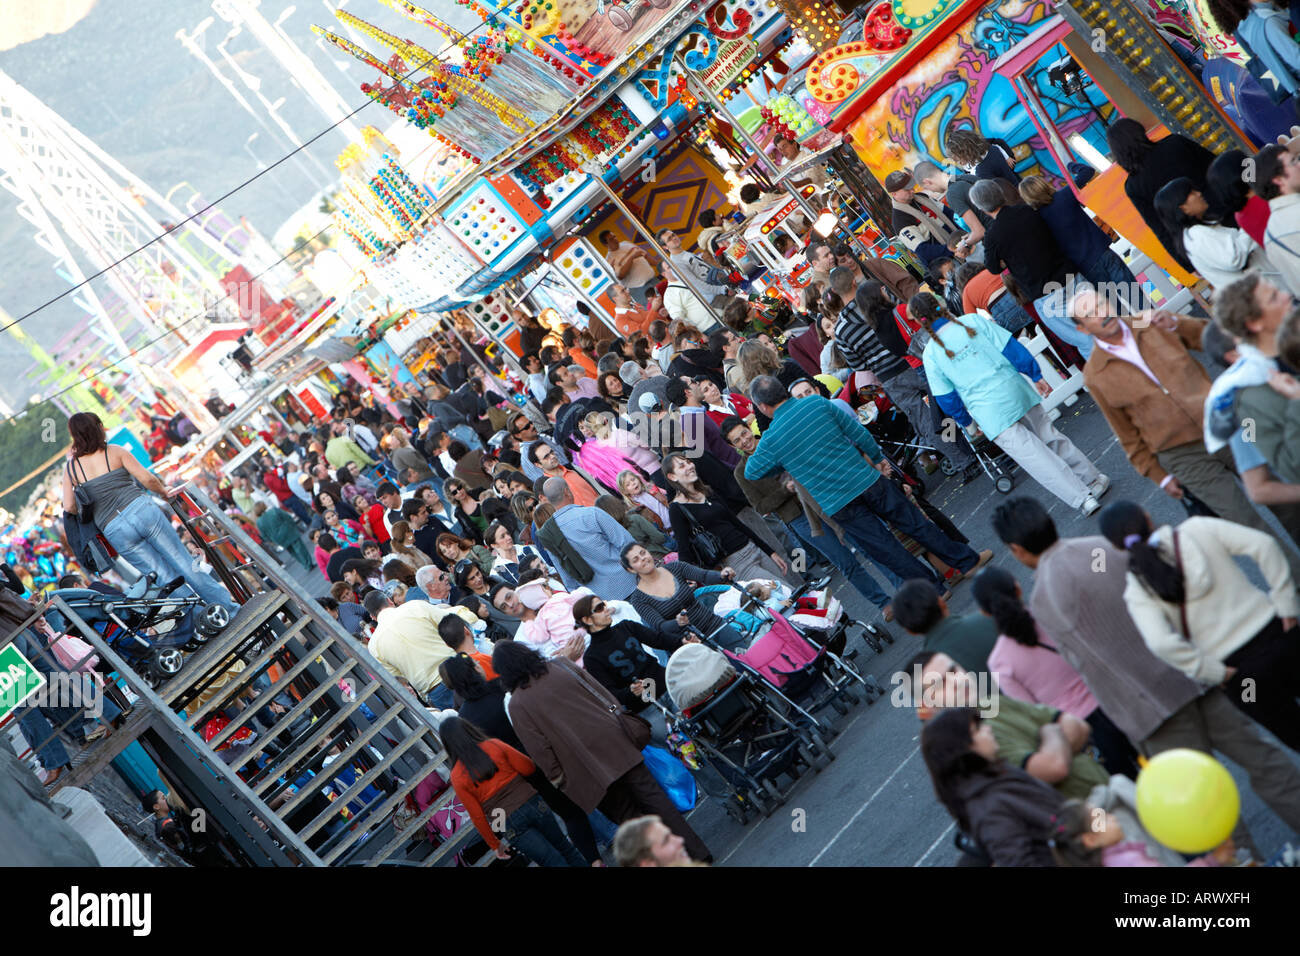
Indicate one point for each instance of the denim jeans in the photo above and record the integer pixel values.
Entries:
(1053, 310)
(842, 558)
(534, 832)
(35, 721)
(1110, 269)
(144, 537)
(440, 697)
(1009, 313)
(466, 434)
(864, 520)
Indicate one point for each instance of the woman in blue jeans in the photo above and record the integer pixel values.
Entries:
(120, 491)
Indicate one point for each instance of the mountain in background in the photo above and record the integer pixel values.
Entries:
(118, 74)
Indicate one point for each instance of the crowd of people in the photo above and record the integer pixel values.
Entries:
(522, 545)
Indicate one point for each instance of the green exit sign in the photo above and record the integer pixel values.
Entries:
(18, 680)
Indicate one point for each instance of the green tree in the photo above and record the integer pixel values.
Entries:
(26, 441)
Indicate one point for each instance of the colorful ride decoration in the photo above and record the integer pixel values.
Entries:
(817, 21)
(606, 129)
(896, 35)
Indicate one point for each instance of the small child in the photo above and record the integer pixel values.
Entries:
(1083, 835)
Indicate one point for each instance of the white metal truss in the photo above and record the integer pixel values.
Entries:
(76, 194)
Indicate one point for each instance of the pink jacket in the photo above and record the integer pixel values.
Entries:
(1133, 853)
(1040, 675)
(553, 627)
(605, 458)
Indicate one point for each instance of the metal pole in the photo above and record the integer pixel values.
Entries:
(594, 170)
(506, 357)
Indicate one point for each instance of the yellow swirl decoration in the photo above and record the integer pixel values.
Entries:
(832, 82)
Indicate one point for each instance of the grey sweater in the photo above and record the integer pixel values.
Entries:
(1078, 601)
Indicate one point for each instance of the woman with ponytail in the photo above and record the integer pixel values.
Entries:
(977, 373)
(1197, 610)
(1028, 667)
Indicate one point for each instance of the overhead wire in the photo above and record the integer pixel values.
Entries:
(113, 265)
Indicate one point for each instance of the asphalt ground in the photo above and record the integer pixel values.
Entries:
(874, 805)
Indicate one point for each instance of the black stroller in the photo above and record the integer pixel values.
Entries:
(146, 624)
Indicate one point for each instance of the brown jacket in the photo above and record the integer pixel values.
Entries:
(565, 723)
(1146, 417)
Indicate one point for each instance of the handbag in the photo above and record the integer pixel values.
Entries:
(85, 537)
(74, 654)
(635, 726)
(706, 545)
(672, 776)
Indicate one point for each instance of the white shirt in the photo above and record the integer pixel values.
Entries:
(682, 305)
(1223, 254)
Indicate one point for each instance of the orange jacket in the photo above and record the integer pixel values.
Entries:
(505, 790)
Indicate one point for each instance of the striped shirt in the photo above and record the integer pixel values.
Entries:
(820, 443)
(862, 348)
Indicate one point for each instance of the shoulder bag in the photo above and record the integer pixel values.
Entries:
(85, 537)
(1182, 606)
(706, 544)
(636, 727)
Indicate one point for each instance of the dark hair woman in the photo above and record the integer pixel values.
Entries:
(489, 777)
(1231, 198)
(1197, 610)
(453, 549)
(1030, 668)
(482, 702)
(1006, 812)
(1150, 165)
(1222, 253)
(582, 738)
(119, 488)
(695, 511)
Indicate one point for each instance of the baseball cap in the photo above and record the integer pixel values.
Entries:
(649, 402)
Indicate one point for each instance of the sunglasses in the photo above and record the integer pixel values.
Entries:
(598, 607)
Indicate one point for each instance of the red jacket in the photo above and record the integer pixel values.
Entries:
(373, 523)
(276, 484)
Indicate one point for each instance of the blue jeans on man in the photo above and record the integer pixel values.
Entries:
(845, 560)
(534, 832)
(864, 520)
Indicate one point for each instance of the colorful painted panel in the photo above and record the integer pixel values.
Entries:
(685, 184)
(893, 31)
(955, 86)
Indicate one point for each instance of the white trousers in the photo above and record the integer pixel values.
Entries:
(1049, 457)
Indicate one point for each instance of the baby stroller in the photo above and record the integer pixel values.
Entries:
(802, 673)
(125, 618)
(891, 430)
(739, 732)
(996, 463)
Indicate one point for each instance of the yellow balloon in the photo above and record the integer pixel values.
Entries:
(1187, 800)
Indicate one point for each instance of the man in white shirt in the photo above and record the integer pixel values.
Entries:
(793, 154)
(631, 265)
(1277, 179)
(683, 305)
(407, 643)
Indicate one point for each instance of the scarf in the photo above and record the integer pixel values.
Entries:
(937, 224)
(1221, 423)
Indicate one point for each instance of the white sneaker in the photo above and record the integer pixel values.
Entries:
(1100, 486)
(1090, 506)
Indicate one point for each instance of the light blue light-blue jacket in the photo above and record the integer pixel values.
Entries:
(1265, 32)
(985, 378)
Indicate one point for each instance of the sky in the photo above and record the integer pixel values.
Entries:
(121, 77)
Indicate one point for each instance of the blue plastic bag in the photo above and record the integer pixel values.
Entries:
(672, 775)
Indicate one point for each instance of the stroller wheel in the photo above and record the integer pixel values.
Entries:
(871, 635)
(948, 468)
(153, 680)
(192, 645)
(774, 794)
(1004, 484)
(212, 621)
(736, 811)
(168, 661)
